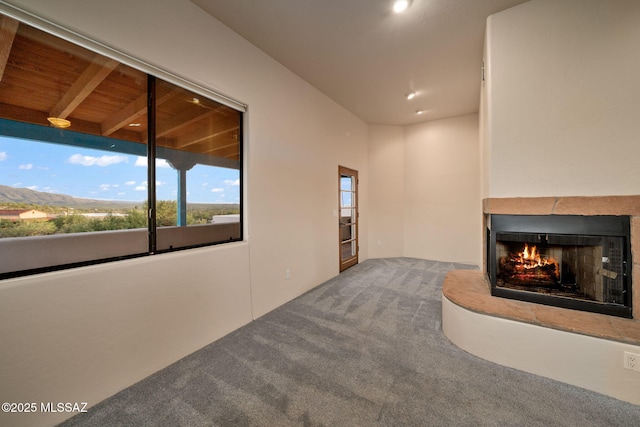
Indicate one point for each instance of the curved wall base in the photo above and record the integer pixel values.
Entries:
(592, 363)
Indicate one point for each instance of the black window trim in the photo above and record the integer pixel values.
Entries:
(153, 73)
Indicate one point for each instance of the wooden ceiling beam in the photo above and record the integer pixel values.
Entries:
(8, 29)
(125, 116)
(234, 146)
(229, 152)
(218, 147)
(188, 140)
(95, 73)
(134, 110)
(181, 121)
(21, 114)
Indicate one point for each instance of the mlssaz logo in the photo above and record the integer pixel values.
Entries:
(63, 407)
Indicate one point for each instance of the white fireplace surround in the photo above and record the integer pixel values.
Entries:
(579, 348)
(592, 363)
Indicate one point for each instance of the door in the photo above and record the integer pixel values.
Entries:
(348, 224)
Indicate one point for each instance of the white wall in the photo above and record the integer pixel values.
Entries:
(563, 99)
(424, 190)
(83, 334)
(386, 191)
(443, 213)
(485, 130)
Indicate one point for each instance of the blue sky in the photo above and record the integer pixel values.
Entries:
(95, 174)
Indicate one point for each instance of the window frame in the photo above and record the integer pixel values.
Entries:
(65, 251)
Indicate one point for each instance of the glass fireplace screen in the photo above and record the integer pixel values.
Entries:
(565, 261)
(582, 267)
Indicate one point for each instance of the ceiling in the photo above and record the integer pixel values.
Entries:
(367, 58)
(46, 79)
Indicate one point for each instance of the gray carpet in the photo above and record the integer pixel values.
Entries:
(363, 349)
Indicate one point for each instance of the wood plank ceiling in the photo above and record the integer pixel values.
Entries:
(42, 76)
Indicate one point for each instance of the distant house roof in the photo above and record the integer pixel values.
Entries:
(21, 214)
(225, 219)
(7, 212)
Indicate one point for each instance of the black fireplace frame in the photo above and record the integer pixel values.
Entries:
(597, 225)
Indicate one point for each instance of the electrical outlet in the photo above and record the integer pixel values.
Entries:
(632, 361)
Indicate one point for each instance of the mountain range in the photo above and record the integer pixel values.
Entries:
(27, 196)
(32, 197)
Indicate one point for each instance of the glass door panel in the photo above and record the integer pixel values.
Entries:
(348, 223)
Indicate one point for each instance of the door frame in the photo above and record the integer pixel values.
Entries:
(353, 260)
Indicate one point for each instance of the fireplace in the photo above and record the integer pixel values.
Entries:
(571, 261)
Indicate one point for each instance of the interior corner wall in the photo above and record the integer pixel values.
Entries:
(442, 207)
(484, 131)
(563, 98)
(83, 334)
(386, 195)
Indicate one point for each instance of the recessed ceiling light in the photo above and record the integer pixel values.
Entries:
(400, 6)
(411, 95)
(134, 125)
(419, 111)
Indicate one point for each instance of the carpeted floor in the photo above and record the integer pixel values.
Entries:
(363, 349)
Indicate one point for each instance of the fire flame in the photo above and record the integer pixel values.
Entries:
(531, 258)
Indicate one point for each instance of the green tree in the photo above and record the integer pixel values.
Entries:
(73, 224)
(166, 212)
(26, 228)
(137, 218)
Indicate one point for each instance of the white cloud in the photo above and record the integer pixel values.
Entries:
(3, 155)
(79, 159)
(143, 185)
(160, 163)
(217, 190)
(26, 167)
(232, 182)
(33, 187)
(130, 183)
(105, 187)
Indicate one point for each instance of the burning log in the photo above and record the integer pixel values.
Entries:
(529, 268)
(514, 273)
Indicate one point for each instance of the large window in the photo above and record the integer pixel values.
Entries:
(101, 161)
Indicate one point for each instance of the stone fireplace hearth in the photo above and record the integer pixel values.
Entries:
(582, 348)
(471, 290)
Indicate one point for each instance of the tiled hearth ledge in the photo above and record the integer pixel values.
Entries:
(581, 205)
(594, 205)
(575, 347)
(471, 290)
